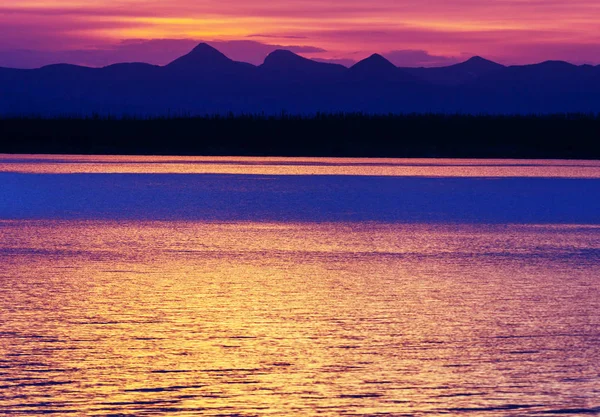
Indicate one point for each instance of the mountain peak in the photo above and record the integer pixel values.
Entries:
(374, 62)
(202, 55)
(477, 58)
(556, 64)
(377, 69)
(283, 56)
(287, 62)
(206, 50)
(379, 59)
(478, 63)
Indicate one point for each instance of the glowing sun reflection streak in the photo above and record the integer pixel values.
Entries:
(177, 318)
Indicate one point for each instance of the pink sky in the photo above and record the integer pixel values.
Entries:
(409, 32)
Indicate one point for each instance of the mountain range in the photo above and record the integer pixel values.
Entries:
(205, 81)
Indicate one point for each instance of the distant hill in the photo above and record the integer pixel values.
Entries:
(378, 69)
(457, 74)
(285, 65)
(206, 81)
(206, 60)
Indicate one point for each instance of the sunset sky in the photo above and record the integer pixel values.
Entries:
(409, 32)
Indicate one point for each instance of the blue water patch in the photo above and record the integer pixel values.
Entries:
(214, 197)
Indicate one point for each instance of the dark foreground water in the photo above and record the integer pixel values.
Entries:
(184, 288)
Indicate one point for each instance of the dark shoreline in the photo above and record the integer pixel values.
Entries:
(561, 136)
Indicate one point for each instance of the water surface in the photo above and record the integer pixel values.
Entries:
(266, 293)
(415, 167)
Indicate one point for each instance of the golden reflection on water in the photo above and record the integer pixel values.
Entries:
(69, 164)
(189, 318)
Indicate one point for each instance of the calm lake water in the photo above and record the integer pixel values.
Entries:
(247, 286)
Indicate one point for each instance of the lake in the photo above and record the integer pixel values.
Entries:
(176, 286)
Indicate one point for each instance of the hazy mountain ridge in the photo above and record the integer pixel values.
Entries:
(207, 81)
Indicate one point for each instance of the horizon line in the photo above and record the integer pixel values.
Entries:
(319, 61)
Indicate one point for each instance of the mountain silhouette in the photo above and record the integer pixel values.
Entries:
(206, 59)
(458, 73)
(478, 65)
(202, 56)
(205, 81)
(550, 79)
(287, 63)
(548, 71)
(375, 62)
(377, 69)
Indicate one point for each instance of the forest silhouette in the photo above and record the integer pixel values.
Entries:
(571, 136)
